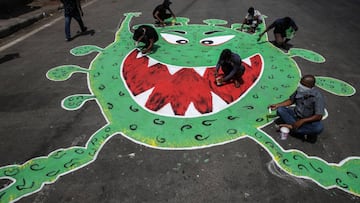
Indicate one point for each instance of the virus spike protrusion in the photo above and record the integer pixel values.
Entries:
(136, 26)
(85, 50)
(132, 14)
(306, 54)
(335, 86)
(31, 176)
(64, 72)
(182, 20)
(343, 175)
(74, 102)
(214, 22)
(126, 25)
(236, 26)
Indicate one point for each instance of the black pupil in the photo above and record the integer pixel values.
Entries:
(208, 42)
(181, 41)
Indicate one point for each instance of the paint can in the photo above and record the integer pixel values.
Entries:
(284, 133)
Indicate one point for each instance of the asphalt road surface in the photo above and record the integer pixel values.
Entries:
(33, 124)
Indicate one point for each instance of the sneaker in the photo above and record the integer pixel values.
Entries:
(311, 139)
(68, 39)
(84, 29)
(279, 121)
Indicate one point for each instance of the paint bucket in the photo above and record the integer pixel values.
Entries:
(284, 133)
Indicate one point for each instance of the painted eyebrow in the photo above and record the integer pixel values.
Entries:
(178, 31)
(212, 32)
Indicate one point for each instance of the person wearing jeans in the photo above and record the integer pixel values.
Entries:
(72, 9)
(303, 119)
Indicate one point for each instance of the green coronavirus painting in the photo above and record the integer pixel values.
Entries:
(168, 100)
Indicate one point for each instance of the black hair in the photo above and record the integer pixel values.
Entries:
(167, 2)
(287, 20)
(138, 33)
(225, 54)
(251, 10)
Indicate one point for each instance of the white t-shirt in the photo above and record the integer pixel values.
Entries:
(256, 13)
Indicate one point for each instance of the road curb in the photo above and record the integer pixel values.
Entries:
(10, 26)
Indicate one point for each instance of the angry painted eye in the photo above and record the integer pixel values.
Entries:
(213, 41)
(174, 39)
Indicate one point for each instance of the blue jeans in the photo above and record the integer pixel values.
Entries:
(68, 22)
(289, 117)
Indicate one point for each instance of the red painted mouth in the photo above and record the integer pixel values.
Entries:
(185, 92)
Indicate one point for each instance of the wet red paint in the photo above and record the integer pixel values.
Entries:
(185, 86)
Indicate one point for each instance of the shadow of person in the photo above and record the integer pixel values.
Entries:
(285, 46)
(9, 57)
(88, 32)
(155, 48)
(305, 138)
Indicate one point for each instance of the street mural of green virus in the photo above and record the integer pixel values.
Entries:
(168, 100)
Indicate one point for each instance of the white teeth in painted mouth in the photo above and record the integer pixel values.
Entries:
(218, 105)
(139, 55)
(173, 69)
(247, 61)
(152, 62)
(200, 70)
(143, 97)
(191, 111)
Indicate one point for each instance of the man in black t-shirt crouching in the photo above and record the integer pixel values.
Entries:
(147, 35)
(160, 13)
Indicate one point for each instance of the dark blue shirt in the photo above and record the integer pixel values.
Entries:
(281, 25)
(234, 64)
(71, 7)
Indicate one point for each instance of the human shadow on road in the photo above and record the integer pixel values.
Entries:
(88, 32)
(9, 57)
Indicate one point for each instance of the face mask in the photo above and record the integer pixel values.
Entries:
(301, 88)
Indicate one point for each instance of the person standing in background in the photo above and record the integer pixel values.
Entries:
(72, 9)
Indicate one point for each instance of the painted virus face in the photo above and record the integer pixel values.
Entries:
(168, 100)
(173, 87)
(178, 78)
